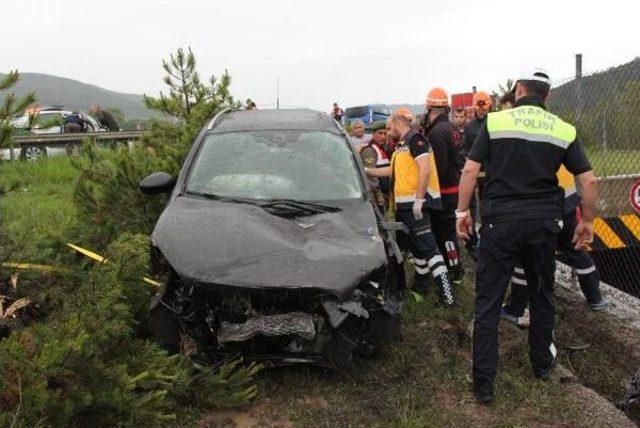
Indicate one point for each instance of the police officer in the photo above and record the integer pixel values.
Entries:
(522, 150)
(445, 140)
(409, 172)
(578, 259)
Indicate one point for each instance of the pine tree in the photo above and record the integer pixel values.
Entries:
(186, 90)
(12, 106)
(107, 193)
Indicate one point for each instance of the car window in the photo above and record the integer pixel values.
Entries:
(21, 121)
(357, 111)
(300, 165)
(381, 110)
(46, 120)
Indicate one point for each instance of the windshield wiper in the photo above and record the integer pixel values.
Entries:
(303, 205)
(278, 207)
(225, 198)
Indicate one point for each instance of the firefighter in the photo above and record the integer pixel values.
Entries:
(522, 150)
(445, 140)
(481, 107)
(578, 259)
(412, 184)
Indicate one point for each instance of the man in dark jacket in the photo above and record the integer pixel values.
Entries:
(481, 106)
(105, 118)
(445, 140)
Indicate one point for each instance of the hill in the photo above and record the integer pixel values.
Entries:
(601, 105)
(595, 87)
(54, 90)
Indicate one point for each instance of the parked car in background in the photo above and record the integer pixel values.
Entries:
(368, 114)
(270, 247)
(47, 120)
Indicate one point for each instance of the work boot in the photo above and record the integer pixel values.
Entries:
(545, 373)
(457, 276)
(446, 289)
(600, 306)
(483, 390)
(520, 322)
(421, 284)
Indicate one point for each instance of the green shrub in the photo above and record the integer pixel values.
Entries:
(87, 366)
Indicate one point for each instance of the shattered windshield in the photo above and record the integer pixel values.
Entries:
(290, 164)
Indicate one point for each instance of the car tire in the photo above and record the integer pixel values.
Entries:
(33, 153)
(73, 149)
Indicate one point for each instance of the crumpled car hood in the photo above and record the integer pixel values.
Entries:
(242, 245)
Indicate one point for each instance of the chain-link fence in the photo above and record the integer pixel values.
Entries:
(605, 107)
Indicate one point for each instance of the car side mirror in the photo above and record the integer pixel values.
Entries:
(157, 183)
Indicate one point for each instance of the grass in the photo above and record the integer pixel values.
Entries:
(37, 207)
(421, 381)
(614, 162)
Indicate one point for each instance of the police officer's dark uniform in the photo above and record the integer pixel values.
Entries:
(579, 260)
(521, 208)
(445, 140)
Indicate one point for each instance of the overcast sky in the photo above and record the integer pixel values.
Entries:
(353, 52)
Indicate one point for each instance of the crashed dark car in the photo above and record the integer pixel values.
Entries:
(269, 246)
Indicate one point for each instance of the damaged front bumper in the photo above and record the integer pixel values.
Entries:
(288, 326)
(333, 330)
(298, 324)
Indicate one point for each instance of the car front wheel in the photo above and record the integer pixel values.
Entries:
(33, 153)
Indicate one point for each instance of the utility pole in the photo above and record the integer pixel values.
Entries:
(578, 66)
(578, 87)
(278, 92)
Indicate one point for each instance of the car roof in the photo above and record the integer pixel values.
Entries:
(293, 119)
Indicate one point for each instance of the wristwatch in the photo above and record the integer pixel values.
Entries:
(462, 214)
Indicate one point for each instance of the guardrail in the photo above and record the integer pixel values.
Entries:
(61, 139)
(71, 139)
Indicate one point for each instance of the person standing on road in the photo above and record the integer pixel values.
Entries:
(73, 123)
(357, 134)
(105, 118)
(445, 141)
(410, 177)
(337, 113)
(522, 150)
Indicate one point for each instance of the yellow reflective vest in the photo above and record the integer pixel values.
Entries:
(404, 176)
